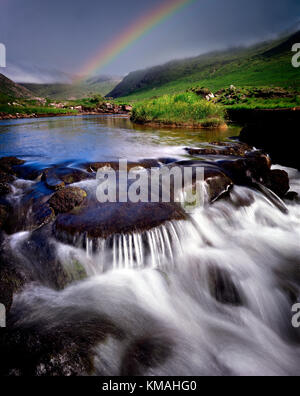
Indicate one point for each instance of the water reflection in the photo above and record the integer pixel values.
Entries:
(97, 138)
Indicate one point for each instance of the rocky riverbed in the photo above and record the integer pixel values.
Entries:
(41, 206)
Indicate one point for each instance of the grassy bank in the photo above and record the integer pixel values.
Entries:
(38, 110)
(181, 109)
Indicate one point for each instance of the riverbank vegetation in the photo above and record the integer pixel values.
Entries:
(181, 109)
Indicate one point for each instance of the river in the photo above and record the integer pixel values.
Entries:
(211, 295)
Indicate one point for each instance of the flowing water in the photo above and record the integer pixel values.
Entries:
(211, 296)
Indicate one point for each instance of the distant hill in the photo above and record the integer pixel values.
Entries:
(95, 86)
(265, 64)
(8, 88)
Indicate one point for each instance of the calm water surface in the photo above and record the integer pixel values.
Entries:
(96, 138)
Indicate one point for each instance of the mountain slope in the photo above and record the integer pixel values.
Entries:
(96, 86)
(265, 64)
(10, 89)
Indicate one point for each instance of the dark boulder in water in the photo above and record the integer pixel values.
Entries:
(6, 178)
(145, 353)
(217, 182)
(12, 277)
(67, 199)
(102, 220)
(278, 182)
(42, 215)
(7, 164)
(4, 215)
(5, 189)
(255, 166)
(221, 149)
(58, 178)
(62, 348)
(115, 165)
(222, 286)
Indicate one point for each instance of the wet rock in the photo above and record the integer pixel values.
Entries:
(67, 199)
(218, 183)
(166, 161)
(53, 182)
(12, 278)
(28, 172)
(292, 196)
(145, 353)
(6, 295)
(58, 178)
(254, 167)
(7, 164)
(42, 215)
(145, 163)
(5, 189)
(104, 220)
(221, 149)
(32, 210)
(6, 178)
(4, 215)
(278, 182)
(63, 348)
(222, 287)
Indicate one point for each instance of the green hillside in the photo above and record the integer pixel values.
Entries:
(9, 89)
(263, 65)
(73, 91)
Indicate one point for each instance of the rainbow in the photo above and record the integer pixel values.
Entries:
(130, 35)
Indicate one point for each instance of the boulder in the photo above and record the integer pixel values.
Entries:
(5, 189)
(65, 347)
(6, 177)
(255, 166)
(67, 199)
(101, 220)
(146, 353)
(222, 149)
(144, 163)
(4, 215)
(278, 182)
(58, 178)
(7, 164)
(222, 287)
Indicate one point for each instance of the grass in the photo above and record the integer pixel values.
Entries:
(185, 108)
(28, 110)
(257, 98)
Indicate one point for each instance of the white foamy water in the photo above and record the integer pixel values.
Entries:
(219, 288)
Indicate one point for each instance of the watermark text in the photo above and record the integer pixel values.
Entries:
(296, 57)
(2, 316)
(2, 55)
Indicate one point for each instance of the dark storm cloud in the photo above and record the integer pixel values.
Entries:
(64, 34)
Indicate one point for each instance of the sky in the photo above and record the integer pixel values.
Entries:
(45, 39)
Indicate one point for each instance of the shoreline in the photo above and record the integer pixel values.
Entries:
(162, 124)
(53, 115)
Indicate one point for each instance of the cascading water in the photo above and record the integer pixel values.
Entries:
(211, 295)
